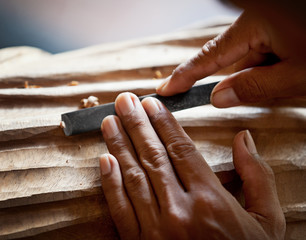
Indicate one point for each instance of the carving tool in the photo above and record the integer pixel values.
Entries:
(90, 119)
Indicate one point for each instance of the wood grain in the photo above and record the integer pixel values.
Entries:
(50, 184)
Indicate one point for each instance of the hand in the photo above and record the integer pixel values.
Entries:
(158, 186)
(269, 55)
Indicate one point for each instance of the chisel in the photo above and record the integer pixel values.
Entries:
(90, 119)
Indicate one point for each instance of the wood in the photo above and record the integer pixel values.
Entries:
(129, 60)
(50, 184)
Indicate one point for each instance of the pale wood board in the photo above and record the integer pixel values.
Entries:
(50, 184)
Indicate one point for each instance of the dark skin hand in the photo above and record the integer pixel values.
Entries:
(158, 186)
(268, 54)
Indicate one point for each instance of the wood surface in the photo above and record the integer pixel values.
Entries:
(50, 184)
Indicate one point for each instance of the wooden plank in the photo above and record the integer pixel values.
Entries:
(51, 183)
(102, 228)
(296, 230)
(74, 167)
(49, 216)
(131, 60)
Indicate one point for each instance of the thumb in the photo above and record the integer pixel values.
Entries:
(259, 188)
(284, 79)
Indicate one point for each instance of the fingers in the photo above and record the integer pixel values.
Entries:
(261, 83)
(136, 182)
(120, 207)
(150, 151)
(249, 42)
(252, 59)
(190, 166)
(216, 54)
(258, 184)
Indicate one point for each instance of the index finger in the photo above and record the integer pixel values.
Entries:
(216, 54)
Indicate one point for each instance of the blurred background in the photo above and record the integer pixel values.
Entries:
(62, 25)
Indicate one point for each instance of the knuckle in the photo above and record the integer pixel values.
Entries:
(119, 146)
(134, 122)
(181, 148)
(210, 47)
(118, 143)
(251, 90)
(153, 156)
(212, 51)
(134, 178)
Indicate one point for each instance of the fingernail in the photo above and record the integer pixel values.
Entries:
(110, 127)
(125, 104)
(249, 142)
(225, 98)
(151, 106)
(162, 86)
(105, 165)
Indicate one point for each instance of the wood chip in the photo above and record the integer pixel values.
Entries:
(158, 74)
(27, 85)
(73, 83)
(91, 101)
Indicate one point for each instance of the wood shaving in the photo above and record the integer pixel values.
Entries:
(27, 85)
(73, 83)
(62, 124)
(91, 101)
(158, 74)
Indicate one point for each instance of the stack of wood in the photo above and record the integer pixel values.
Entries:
(50, 184)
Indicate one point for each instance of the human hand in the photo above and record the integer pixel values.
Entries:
(158, 186)
(269, 57)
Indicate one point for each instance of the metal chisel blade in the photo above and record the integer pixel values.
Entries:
(90, 119)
